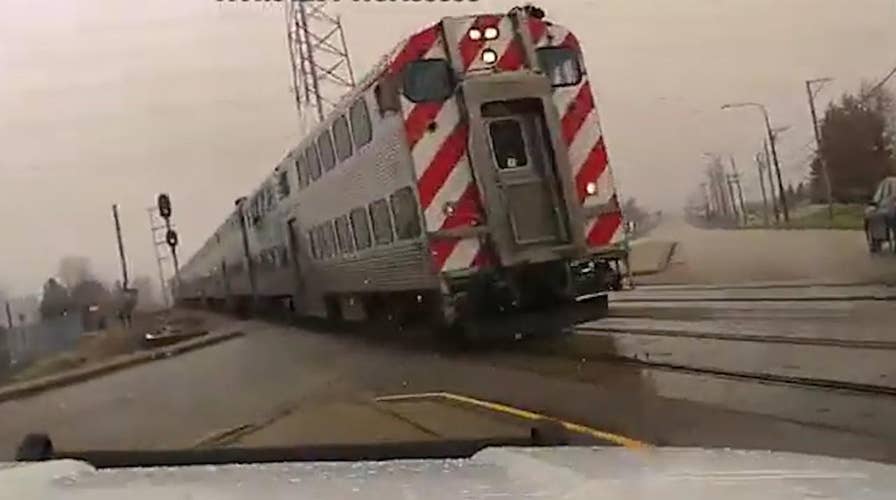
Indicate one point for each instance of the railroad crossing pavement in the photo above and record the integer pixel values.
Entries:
(777, 357)
(275, 370)
(717, 256)
(756, 292)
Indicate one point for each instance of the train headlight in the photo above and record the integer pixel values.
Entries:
(489, 56)
(475, 34)
(490, 33)
(591, 188)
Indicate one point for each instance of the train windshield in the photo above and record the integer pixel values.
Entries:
(428, 80)
(561, 64)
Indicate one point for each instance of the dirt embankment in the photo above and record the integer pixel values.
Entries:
(115, 340)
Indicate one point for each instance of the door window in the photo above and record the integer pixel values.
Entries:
(507, 144)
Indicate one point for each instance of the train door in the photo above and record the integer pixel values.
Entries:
(226, 279)
(294, 256)
(525, 171)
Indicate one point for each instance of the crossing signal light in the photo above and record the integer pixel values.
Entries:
(164, 205)
(171, 238)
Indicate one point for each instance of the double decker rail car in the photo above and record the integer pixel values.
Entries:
(464, 180)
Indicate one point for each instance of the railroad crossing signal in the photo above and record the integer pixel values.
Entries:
(164, 205)
(171, 238)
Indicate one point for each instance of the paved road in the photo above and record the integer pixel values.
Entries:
(834, 339)
(178, 401)
(759, 292)
(742, 256)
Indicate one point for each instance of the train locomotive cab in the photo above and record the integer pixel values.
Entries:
(516, 192)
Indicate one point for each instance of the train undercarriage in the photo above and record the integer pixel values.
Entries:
(502, 303)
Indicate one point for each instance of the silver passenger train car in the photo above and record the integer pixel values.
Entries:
(464, 179)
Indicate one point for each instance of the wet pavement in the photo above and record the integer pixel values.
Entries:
(179, 402)
(845, 342)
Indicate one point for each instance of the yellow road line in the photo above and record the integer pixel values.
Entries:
(518, 412)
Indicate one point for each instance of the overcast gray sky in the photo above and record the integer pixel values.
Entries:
(106, 101)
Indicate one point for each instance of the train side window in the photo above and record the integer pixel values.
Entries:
(360, 117)
(313, 162)
(386, 93)
(343, 138)
(312, 244)
(561, 65)
(404, 211)
(428, 80)
(382, 222)
(284, 184)
(322, 242)
(330, 237)
(327, 155)
(302, 171)
(361, 228)
(344, 235)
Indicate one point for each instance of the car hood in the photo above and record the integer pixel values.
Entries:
(569, 472)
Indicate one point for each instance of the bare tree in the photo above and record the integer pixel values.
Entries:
(73, 270)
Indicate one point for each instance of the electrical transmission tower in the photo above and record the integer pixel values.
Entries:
(321, 67)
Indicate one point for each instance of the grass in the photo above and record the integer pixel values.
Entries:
(850, 217)
(845, 217)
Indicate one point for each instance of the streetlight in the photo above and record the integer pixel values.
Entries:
(824, 166)
(771, 140)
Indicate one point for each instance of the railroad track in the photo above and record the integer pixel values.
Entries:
(748, 375)
(735, 337)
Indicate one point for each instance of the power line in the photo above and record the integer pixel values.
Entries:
(880, 83)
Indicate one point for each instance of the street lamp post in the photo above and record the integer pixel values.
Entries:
(771, 140)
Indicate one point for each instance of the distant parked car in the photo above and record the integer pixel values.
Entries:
(880, 216)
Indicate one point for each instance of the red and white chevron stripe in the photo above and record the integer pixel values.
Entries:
(437, 137)
(583, 137)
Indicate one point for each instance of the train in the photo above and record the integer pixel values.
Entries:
(463, 181)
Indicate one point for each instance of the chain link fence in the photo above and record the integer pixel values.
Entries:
(27, 343)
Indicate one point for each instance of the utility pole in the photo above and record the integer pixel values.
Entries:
(124, 264)
(8, 315)
(771, 141)
(761, 167)
(735, 175)
(730, 182)
(771, 183)
(824, 168)
(154, 228)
